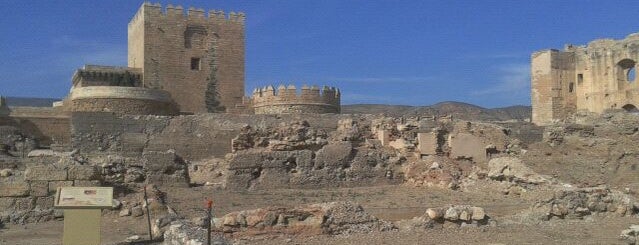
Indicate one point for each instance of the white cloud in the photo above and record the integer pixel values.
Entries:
(511, 79)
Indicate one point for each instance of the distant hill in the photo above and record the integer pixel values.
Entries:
(33, 102)
(458, 110)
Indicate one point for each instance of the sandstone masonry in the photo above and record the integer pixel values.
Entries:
(185, 54)
(594, 77)
(287, 100)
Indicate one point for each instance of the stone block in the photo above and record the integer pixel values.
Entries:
(399, 144)
(84, 172)
(14, 189)
(478, 213)
(87, 183)
(47, 172)
(167, 180)
(383, 136)
(24, 203)
(6, 203)
(44, 202)
(334, 155)
(39, 188)
(53, 185)
(427, 143)
(464, 145)
(156, 161)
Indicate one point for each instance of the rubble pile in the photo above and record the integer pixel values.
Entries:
(13, 142)
(450, 216)
(324, 218)
(297, 135)
(164, 168)
(181, 232)
(631, 235)
(575, 203)
(437, 171)
(512, 169)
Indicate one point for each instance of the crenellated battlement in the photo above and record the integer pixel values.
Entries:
(171, 11)
(268, 100)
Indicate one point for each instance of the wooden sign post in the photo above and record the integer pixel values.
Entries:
(82, 212)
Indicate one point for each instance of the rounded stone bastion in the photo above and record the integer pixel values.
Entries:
(287, 100)
(121, 100)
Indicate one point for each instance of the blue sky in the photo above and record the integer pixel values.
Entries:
(384, 52)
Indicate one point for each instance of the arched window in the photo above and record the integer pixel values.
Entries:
(630, 108)
(626, 70)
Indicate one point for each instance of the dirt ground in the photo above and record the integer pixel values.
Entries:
(386, 202)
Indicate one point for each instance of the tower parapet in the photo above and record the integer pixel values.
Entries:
(178, 12)
(288, 100)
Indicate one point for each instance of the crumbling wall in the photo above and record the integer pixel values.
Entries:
(29, 196)
(334, 165)
(593, 77)
(192, 137)
(296, 155)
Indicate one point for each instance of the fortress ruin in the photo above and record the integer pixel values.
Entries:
(179, 63)
(184, 64)
(594, 78)
(173, 132)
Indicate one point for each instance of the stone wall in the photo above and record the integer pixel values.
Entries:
(259, 151)
(287, 100)
(124, 106)
(30, 197)
(121, 100)
(192, 137)
(46, 124)
(593, 77)
(165, 43)
(337, 164)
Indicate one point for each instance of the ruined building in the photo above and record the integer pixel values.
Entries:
(595, 77)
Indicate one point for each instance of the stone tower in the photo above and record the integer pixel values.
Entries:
(189, 54)
(553, 82)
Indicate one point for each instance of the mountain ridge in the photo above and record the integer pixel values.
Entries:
(459, 110)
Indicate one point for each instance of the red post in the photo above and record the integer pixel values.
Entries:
(209, 207)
